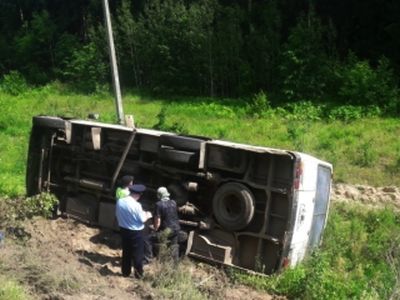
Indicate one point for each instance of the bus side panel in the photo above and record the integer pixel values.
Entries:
(303, 221)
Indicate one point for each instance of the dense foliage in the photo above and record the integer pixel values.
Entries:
(341, 51)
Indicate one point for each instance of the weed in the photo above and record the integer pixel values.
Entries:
(296, 133)
(216, 110)
(394, 167)
(174, 281)
(221, 133)
(366, 155)
(162, 123)
(259, 105)
(14, 210)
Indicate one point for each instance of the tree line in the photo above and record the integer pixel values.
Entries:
(294, 50)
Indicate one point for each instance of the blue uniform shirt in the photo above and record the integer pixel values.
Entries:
(130, 214)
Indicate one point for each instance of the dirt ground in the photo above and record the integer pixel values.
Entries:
(65, 259)
(367, 195)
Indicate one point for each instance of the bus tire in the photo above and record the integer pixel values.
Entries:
(233, 206)
(49, 122)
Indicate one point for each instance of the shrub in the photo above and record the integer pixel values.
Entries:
(304, 110)
(13, 83)
(259, 104)
(361, 84)
(39, 205)
(14, 210)
(346, 113)
(372, 111)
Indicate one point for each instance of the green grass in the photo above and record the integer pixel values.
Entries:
(359, 259)
(11, 290)
(362, 151)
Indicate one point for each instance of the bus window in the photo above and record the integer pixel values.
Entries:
(321, 205)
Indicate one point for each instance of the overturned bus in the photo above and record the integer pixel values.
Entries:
(255, 208)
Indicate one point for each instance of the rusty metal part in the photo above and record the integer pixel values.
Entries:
(188, 209)
(88, 183)
(122, 160)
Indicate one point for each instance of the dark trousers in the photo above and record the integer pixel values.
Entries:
(170, 239)
(132, 247)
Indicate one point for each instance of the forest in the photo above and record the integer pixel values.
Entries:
(344, 52)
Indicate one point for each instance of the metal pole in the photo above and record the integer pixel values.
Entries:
(114, 67)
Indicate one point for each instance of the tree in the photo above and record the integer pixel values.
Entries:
(304, 64)
(35, 47)
(263, 44)
(86, 70)
(127, 43)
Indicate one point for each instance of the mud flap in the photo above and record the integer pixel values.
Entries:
(49, 122)
(84, 207)
(107, 217)
(215, 246)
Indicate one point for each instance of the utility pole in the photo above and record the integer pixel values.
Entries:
(114, 66)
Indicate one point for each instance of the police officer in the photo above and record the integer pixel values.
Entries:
(131, 218)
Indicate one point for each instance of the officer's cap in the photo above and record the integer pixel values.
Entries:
(137, 188)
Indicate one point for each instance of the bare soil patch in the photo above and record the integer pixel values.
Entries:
(368, 195)
(65, 259)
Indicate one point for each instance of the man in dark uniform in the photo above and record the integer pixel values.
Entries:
(166, 220)
(131, 218)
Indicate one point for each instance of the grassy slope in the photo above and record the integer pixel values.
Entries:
(363, 151)
(359, 259)
(353, 263)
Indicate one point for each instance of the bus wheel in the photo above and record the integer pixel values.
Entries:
(233, 206)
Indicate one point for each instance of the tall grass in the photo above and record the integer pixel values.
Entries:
(363, 149)
(359, 259)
